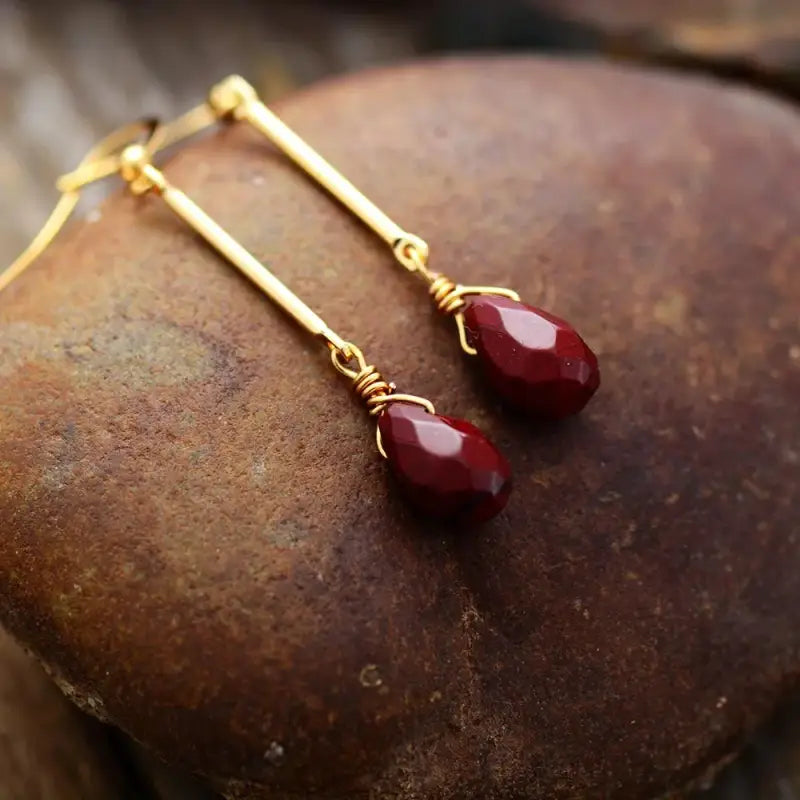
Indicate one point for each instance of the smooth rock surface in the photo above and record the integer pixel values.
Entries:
(198, 536)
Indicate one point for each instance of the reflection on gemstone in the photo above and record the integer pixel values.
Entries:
(534, 360)
(447, 467)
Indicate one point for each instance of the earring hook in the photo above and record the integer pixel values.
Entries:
(102, 160)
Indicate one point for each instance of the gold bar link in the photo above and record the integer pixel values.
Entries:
(225, 244)
(311, 161)
(235, 96)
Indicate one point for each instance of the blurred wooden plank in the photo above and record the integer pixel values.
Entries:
(48, 750)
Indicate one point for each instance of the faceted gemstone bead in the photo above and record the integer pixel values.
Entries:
(447, 467)
(535, 361)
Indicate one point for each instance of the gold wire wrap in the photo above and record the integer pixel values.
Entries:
(449, 299)
(369, 384)
(445, 295)
(449, 296)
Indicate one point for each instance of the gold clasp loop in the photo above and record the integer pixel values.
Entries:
(106, 157)
(371, 387)
(230, 97)
(412, 252)
(368, 383)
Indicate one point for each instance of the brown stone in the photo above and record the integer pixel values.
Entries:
(199, 538)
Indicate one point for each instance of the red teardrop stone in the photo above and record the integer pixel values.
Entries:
(535, 361)
(447, 467)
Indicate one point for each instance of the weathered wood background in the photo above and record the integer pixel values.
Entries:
(71, 71)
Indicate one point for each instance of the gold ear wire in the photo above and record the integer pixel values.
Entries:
(100, 162)
(50, 229)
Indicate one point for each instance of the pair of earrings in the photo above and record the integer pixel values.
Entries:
(535, 361)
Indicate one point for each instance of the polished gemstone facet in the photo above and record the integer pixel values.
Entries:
(446, 466)
(535, 361)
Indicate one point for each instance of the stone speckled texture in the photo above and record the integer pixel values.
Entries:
(198, 538)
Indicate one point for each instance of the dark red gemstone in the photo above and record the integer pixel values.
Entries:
(447, 467)
(535, 361)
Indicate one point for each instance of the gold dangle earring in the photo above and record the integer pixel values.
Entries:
(534, 360)
(447, 467)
